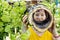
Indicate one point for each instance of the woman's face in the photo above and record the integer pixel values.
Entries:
(39, 15)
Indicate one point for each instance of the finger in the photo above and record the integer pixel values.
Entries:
(24, 16)
(27, 23)
(25, 19)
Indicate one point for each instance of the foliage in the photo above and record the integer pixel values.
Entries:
(11, 19)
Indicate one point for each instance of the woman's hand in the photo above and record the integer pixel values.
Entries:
(54, 32)
(25, 22)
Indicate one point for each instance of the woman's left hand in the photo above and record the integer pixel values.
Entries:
(56, 36)
(53, 30)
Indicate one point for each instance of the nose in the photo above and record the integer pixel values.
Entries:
(41, 17)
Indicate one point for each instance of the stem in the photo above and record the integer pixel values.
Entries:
(15, 31)
(4, 38)
(9, 35)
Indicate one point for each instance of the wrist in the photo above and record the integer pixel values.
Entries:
(56, 36)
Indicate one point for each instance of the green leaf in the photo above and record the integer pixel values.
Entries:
(5, 4)
(1, 29)
(7, 28)
(22, 9)
(22, 3)
(25, 35)
(5, 18)
(12, 37)
(16, 3)
(1, 24)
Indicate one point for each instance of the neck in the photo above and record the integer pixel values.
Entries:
(37, 32)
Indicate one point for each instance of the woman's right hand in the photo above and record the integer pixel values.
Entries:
(25, 20)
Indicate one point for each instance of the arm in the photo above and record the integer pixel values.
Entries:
(25, 24)
(56, 36)
(54, 32)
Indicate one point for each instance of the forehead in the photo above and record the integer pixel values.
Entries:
(39, 10)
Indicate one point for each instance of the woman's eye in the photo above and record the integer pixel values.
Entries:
(37, 14)
(42, 15)
(37, 10)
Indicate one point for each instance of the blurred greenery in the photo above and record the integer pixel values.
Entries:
(11, 19)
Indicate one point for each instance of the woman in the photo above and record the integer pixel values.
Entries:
(42, 23)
